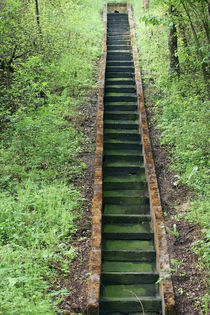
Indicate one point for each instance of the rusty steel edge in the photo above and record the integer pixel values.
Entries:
(162, 256)
(93, 285)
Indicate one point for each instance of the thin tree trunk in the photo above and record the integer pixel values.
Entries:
(172, 44)
(204, 66)
(38, 16)
(146, 4)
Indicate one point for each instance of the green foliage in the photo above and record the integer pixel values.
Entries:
(181, 105)
(36, 223)
(44, 76)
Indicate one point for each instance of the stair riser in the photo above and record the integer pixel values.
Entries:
(118, 42)
(126, 200)
(122, 158)
(123, 278)
(119, 69)
(129, 186)
(123, 210)
(121, 116)
(119, 75)
(122, 146)
(111, 81)
(129, 137)
(118, 37)
(126, 126)
(128, 256)
(120, 90)
(120, 107)
(111, 219)
(127, 236)
(151, 306)
(113, 56)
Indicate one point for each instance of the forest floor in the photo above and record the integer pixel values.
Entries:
(75, 302)
(187, 279)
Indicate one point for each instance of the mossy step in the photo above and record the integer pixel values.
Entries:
(122, 163)
(122, 107)
(117, 37)
(118, 33)
(120, 75)
(128, 266)
(119, 93)
(118, 30)
(126, 219)
(118, 42)
(124, 159)
(125, 185)
(123, 141)
(127, 35)
(123, 193)
(120, 81)
(124, 80)
(130, 291)
(122, 103)
(123, 122)
(119, 47)
(123, 170)
(122, 231)
(120, 131)
(118, 277)
(141, 200)
(118, 115)
(131, 178)
(120, 97)
(115, 56)
(111, 305)
(126, 254)
(128, 246)
(122, 136)
(126, 209)
(120, 145)
(120, 89)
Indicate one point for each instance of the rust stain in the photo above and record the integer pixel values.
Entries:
(162, 257)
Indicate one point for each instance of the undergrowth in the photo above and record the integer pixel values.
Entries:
(181, 108)
(41, 90)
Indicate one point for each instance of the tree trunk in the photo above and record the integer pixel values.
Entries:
(146, 4)
(204, 65)
(172, 44)
(38, 16)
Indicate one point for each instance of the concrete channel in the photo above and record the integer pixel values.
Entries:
(128, 243)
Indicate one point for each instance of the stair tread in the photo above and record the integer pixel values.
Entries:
(128, 245)
(129, 291)
(127, 266)
(120, 131)
(123, 152)
(121, 141)
(127, 228)
(125, 209)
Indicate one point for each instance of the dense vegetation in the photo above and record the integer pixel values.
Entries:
(47, 62)
(179, 96)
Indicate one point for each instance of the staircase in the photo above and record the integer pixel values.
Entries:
(128, 255)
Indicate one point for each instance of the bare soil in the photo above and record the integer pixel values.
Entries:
(187, 279)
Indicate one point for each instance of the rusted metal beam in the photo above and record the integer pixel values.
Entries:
(93, 289)
(162, 256)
